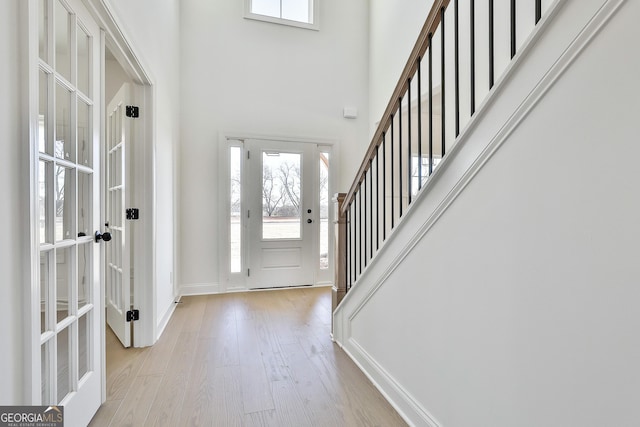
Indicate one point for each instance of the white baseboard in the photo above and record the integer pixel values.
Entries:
(216, 288)
(401, 400)
(164, 321)
(199, 289)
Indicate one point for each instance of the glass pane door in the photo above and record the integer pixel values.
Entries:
(66, 217)
(282, 218)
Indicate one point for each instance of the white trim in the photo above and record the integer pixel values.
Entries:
(401, 400)
(144, 196)
(102, 195)
(144, 193)
(196, 289)
(201, 289)
(313, 24)
(162, 324)
(241, 136)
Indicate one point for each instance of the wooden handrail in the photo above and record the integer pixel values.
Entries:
(430, 26)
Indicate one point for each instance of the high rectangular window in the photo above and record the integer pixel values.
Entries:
(296, 13)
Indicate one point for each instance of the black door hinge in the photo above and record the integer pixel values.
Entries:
(133, 315)
(133, 213)
(133, 111)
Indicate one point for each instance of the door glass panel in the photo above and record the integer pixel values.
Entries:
(113, 137)
(281, 185)
(43, 30)
(62, 41)
(64, 276)
(45, 373)
(64, 148)
(64, 356)
(83, 345)
(115, 218)
(324, 210)
(85, 152)
(65, 141)
(115, 168)
(64, 202)
(83, 61)
(84, 204)
(235, 230)
(84, 274)
(44, 211)
(45, 258)
(43, 110)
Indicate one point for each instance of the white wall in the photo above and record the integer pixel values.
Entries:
(261, 78)
(393, 33)
(152, 28)
(517, 304)
(14, 167)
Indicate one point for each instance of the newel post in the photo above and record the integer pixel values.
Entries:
(339, 289)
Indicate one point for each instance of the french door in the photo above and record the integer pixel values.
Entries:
(118, 260)
(282, 215)
(67, 366)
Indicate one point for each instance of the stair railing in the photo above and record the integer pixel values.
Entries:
(406, 148)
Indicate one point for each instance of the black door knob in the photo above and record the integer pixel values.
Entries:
(102, 236)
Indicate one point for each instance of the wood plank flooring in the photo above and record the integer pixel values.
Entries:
(245, 359)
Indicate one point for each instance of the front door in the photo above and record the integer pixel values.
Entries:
(282, 213)
(118, 271)
(66, 368)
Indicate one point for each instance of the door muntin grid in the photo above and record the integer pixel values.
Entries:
(65, 197)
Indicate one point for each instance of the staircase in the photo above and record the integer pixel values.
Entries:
(470, 256)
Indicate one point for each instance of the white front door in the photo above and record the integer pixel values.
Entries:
(66, 364)
(118, 271)
(282, 213)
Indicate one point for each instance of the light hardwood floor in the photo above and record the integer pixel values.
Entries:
(245, 359)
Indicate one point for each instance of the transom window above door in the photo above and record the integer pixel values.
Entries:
(296, 13)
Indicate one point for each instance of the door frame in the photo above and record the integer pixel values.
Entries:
(232, 282)
(143, 190)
